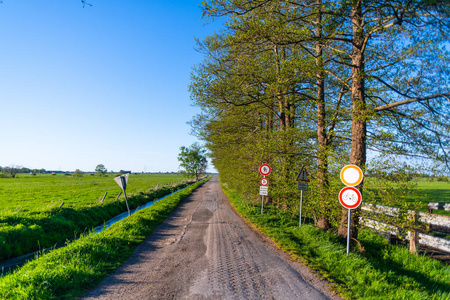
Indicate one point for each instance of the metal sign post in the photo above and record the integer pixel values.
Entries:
(126, 201)
(302, 185)
(301, 202)
(350, 198)
(262, 205)
(122, 181)
(348, 230)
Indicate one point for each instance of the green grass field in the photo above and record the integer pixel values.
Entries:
(407, 193)
(31, 219)
(435, 191)
(44, 192)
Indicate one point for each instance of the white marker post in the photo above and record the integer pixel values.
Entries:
(302, 185)
(350, 197)
(264, 189)
(122, 181)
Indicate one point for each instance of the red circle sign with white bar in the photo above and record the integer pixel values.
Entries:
(265, 169)
(264, 181)
(350, 197)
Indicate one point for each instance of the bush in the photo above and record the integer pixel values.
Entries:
(78, 173)
(442, 178)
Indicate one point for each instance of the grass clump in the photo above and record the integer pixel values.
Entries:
(67, 273)
(381, 271)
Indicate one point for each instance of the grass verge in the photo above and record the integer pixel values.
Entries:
(382, 271)
(67, 273)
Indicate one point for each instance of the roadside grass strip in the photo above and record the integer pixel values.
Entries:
(381, 271)
(69, 272)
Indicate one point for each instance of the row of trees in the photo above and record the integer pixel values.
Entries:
(321, 83)
(13, 170)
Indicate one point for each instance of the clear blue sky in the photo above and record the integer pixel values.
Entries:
(103, 84)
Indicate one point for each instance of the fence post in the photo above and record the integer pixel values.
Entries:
(414, 234)
(103, 199)
(119, 195)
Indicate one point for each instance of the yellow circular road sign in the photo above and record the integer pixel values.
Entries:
(351, 175)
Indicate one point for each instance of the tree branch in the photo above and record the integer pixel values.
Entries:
(395, 104)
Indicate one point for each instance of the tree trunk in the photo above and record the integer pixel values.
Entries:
(359, 116)
(322, 155)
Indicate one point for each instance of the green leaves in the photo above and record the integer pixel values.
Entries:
(293, 82)
(193, 160)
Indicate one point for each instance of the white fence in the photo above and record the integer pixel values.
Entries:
(433, 222)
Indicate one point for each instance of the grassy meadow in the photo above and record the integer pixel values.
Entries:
(417, 190)
(69, 272)
(434, 191)
(46, 191)
(31, 219)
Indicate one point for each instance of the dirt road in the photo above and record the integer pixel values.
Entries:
(204, 250)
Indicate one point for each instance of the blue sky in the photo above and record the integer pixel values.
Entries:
(103, 84)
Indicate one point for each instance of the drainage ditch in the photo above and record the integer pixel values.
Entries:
(9, 265)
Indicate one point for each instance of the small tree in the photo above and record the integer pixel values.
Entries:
(100, 169)
(12, 170)
(192, 160)
(78, 173)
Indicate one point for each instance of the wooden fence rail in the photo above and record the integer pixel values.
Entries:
(433, 222)
(438, 206)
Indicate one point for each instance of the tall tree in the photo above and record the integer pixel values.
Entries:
(193, 160)
(101, 170)
(372, 22)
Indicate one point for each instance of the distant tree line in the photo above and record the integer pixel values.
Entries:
(13, 170)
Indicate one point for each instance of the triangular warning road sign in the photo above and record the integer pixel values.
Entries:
(303, 175)
(122, 180)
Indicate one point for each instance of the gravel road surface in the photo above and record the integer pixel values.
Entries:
(204, 250)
